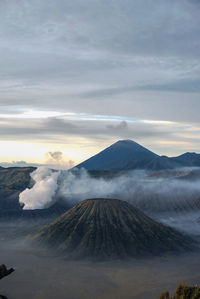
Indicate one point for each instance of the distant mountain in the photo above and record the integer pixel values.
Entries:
(127, 155)
(119, 156)
(12, 182)
(110, 229)
(155, 164)
(188, 159)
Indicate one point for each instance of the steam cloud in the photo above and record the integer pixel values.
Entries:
(138, 187)
(41, 195)
(145, 191)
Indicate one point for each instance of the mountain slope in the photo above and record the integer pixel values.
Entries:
(109, 229)
(118, 156)
(155, 164)
(128, 155)
(188, 159)
(13, 181)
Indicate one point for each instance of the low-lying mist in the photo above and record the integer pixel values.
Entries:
(41, 274)
(165, 196)
(138, 187)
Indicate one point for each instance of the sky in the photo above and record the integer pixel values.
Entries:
(77, 76)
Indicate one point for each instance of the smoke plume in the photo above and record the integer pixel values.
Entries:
(41, 195)
(80, 184)
(150, 193)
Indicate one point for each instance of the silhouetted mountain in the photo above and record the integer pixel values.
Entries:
(109, 229)
(127, 155)
(155, 164)
(188, 159)
(119, 156)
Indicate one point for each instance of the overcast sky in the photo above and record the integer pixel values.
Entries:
(76, 76)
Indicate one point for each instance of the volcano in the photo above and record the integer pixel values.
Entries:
(125, 155)
(120, 156)
(110, 229)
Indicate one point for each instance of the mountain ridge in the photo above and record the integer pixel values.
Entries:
(117, 156)
(128, 155)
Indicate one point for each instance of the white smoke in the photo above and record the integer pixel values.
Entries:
(166, 197)
(145, 191)
(80, 183)
(41, 195)
(150, 193)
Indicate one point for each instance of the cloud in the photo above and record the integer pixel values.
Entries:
(55, 128)
(94, 129)
(121, 126)
(55, 156)
(184, 85)
(18, 164)
(115, 58)
(58, 160)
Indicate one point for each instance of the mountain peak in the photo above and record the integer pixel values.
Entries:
(122, 231)
(117, 156)
(126, 142)
(189, 154)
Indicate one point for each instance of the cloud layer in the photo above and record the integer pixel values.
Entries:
(119, 60)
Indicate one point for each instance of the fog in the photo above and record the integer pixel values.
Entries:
(40, 274)
(149, 192)
(132, 186)
(170, 197)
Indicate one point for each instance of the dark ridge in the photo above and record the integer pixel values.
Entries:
(127, 155)
(118, 156)
(110, 229)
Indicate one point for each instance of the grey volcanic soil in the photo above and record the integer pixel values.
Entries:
(39, 275)
(110, 229)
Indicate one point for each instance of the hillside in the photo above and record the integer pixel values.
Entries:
(13, 181)
(110, 229)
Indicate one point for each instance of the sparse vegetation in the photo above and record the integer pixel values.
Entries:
(183, 292)
(12, 182)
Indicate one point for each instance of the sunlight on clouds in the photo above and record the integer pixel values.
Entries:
(80, 135)
(170, 142)
(160, 122)
(77, 149)
(11, 150)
